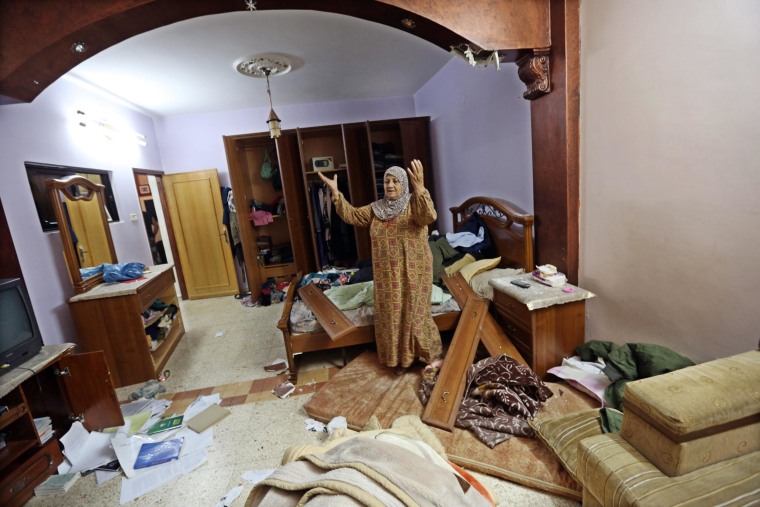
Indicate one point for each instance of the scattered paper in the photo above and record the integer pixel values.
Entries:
(336, 423)
(86, 450)
(218, 334)
(200, 404)
(314, 425)
(159, 475)
(135, 407)
(230, 497)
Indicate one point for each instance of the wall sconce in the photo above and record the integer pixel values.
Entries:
(109, 130)
(266, 65)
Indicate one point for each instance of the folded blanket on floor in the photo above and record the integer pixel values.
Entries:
(381, 467)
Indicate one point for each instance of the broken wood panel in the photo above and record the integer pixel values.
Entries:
(443, 405)
(494, 338)
(334, 321)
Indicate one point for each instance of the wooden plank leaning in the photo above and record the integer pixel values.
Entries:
(494, 338)
(334, 321)
(442, 407)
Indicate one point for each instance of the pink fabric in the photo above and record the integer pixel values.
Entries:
(261, 217)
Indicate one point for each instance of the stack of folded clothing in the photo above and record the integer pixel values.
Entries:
(548, 275)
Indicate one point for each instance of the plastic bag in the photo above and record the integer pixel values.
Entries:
(266, 167)
(122, 272)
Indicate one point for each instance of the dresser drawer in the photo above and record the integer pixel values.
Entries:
(521, 338)
(17, 487)
(151, 290)
(512, 309)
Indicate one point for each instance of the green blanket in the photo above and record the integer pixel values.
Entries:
(632, 361)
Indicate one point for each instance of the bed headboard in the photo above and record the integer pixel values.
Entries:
(510, 227)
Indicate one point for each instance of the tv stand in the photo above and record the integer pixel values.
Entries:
(63, 386)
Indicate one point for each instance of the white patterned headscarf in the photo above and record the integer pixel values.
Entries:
(384, 208)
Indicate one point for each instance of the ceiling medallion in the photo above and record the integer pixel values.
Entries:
(263, 65)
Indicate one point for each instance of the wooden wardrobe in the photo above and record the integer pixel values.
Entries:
(358, 153)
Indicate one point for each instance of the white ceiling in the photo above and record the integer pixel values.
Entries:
(188, 67)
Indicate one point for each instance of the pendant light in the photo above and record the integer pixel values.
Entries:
(273, 121)
(264, 66)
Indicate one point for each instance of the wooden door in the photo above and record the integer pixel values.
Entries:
(195, 207)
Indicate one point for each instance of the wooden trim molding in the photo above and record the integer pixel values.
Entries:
(533, 70)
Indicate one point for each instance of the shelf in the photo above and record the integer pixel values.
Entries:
(339, 169)
(161, 355)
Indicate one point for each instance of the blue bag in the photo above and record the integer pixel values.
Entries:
(122, 272)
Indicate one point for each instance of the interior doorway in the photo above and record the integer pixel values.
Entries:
(158, 226)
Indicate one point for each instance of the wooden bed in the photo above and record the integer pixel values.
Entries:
(511, 231)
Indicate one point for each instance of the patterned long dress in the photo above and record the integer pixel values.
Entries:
(402, 266)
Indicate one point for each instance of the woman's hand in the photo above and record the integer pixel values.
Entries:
(416, 176)
(332, 184)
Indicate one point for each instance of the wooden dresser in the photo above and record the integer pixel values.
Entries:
(58, 384)
(544, 323)
(112, 318)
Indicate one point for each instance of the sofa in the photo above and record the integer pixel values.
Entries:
(688, 437)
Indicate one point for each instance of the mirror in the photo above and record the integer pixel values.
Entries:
(83, 223)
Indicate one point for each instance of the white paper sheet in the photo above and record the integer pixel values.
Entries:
(86, 450)
(230, 497)
(156, 476)
(200, 404)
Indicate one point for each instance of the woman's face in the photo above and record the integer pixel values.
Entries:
(392, 187)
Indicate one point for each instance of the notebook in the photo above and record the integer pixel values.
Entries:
(155, 453)
(207, 418)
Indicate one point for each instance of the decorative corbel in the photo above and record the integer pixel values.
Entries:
(533, 69)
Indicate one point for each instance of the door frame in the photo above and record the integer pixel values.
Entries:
(169, 226)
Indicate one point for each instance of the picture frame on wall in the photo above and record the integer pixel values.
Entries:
(144, 189)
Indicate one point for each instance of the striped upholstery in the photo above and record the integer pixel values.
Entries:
(694, 417)
(562, 435)
(613, 473)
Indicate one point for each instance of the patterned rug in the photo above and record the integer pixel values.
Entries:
(365, 388)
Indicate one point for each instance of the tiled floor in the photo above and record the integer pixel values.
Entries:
(225, 350)
(252, 391)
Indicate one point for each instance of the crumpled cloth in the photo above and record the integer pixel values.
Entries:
(261, 217)
(501, 395)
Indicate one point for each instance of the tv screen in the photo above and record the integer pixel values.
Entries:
(20, 337)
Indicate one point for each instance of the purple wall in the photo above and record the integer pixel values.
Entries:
(480, 142)
(47, 131)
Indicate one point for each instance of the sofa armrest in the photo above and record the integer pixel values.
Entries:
(615, 473)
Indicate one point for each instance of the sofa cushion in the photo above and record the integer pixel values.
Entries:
(614, 473)
(697, 416)
(562, 434)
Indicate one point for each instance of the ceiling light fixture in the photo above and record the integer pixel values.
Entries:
(265, 66)
(79, 47)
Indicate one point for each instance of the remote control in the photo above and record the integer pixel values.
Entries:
(520, 283)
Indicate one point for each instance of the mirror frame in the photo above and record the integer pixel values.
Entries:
(94, 190)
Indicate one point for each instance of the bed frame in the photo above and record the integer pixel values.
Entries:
(511, 230)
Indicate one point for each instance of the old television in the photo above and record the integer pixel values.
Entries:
(20, 338)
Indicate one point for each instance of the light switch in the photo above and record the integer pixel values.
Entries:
(133, 217)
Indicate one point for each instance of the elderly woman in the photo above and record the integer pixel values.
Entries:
(402, 265)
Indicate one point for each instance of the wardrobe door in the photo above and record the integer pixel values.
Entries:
(360, 180)
(296, 202)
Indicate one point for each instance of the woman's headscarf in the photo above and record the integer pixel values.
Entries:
(385, 209)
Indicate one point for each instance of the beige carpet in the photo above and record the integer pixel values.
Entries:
(365, 388)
